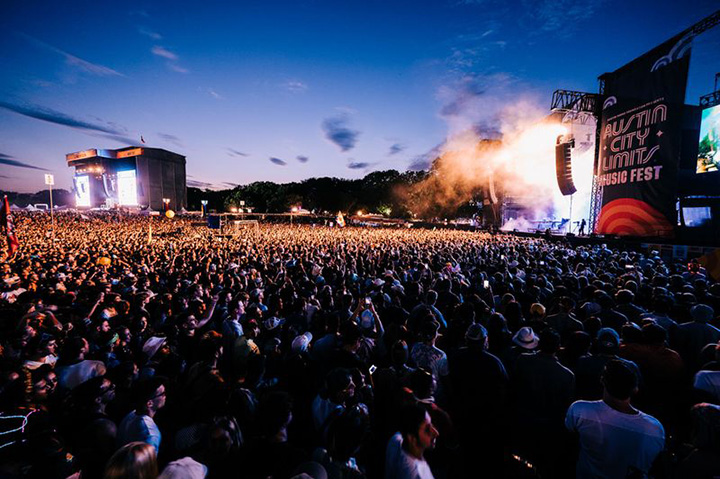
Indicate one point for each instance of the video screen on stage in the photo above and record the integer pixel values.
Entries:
(127, 188)
(696, 215)
(708, 156)
(82, 191)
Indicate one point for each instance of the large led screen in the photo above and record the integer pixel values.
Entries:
(82, 191)
(708, 156)
(127, 188)
(697, 216)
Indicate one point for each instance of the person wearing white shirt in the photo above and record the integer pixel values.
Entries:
(404, 458)
(615, 438)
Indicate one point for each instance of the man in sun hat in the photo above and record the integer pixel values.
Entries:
(525, 341)
(544, 389)
(526, 338)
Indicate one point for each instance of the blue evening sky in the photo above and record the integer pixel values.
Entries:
(287, 90)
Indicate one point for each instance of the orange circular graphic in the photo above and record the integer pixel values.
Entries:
(630, 217)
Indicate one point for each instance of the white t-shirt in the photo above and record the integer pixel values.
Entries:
(708, 381)
(401, 465)
(612, 442)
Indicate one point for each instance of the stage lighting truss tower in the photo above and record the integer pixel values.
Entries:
(580, 106)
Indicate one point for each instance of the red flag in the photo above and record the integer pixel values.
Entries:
(7, 220)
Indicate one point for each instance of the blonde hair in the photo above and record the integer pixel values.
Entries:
(135, 460)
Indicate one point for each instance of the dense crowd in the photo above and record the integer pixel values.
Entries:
(140, 347)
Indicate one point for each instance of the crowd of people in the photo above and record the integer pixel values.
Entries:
(140, 347)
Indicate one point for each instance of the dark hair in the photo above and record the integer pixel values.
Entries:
(337, 380)
(209, 346)
(421, 382)
(350, 333)
(619, 380)
(274, 411)
(399, 352)
(411, 417)
(631, 333)
(549, 341)
(146, 389)
(654, 334)
(429, 330)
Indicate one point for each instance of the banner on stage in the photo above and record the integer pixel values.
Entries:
(640, 141)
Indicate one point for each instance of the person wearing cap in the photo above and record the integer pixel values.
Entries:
(615, 438)
(425, 354)
(589, 368)
(542, 389)
(478, 386)
(691, 337)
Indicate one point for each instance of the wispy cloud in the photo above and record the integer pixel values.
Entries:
(302, 158)
(462, 94)
(177, 68)
(475, 99)
(336, 130)
(396, 148)
(233, 152)
(215, 94)
(149, 33)
(12, 161)
(52, 116)
(359, 165)
(231, 185)
(171, 57)
(278, 161)
(559, 16)
(200, 184)
(423, 162)
(164, 53)
(172, 139)
(139, 13)
(295, 86)
(74, 61)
